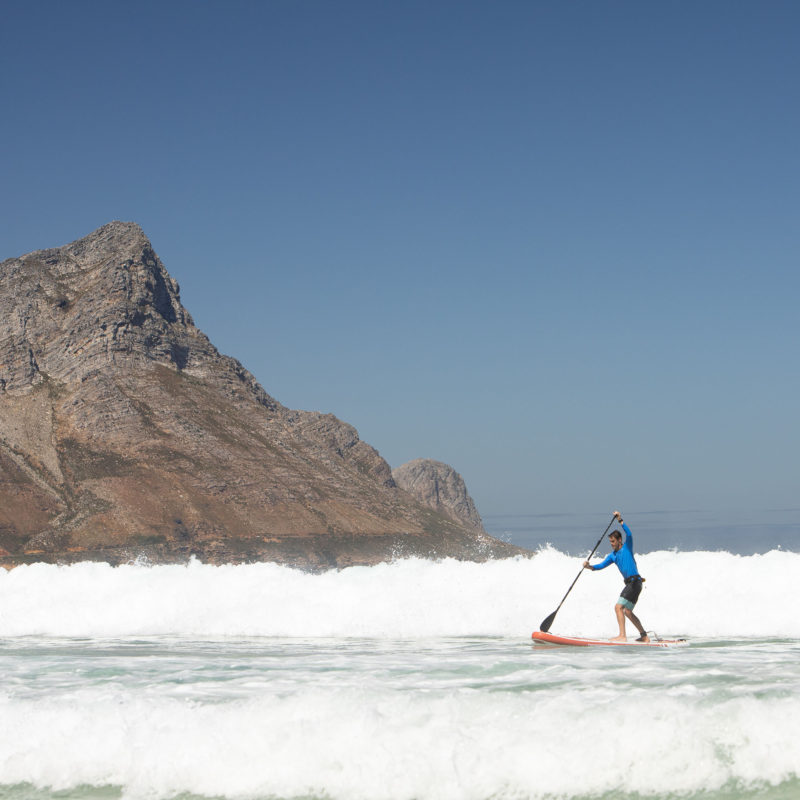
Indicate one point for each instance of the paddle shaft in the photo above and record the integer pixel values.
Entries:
(548, 621)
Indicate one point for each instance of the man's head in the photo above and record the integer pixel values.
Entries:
(615, 537)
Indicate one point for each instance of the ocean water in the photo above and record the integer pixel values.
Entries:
(745, 532)
(414, 680)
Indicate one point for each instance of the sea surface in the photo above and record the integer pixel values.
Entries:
(415, 680)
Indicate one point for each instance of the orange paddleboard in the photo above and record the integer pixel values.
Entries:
(540, 637)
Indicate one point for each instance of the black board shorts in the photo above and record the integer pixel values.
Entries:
(632, 590)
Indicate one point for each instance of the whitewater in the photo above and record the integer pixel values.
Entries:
(412, 680)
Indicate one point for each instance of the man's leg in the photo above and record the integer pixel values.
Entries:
(639, 627)
(619, 611)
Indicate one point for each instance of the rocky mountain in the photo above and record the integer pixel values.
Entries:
(124, 433)
(439, 487)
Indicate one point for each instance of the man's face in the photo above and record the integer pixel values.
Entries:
(615, 543)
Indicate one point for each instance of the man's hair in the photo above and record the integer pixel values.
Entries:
(615, 535)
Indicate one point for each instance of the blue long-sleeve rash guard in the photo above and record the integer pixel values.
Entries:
(623, 557)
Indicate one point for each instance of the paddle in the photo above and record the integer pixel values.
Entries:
(548, 621)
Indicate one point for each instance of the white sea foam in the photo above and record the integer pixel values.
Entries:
(696, 594)
(380, 744)
(411, 680)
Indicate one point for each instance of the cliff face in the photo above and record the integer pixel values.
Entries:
(125, 433)
(440, 487)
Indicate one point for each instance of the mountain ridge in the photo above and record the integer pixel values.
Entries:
(124, 433)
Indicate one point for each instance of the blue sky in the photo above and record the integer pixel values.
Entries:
(553, 244)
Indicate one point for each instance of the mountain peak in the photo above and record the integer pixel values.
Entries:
(439, 487)
(103, 299)
(114, 241)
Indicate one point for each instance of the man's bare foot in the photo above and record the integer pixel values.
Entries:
(620, 638)
(643, 638)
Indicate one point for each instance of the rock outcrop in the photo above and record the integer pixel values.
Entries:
(124, 433)
(439, 487)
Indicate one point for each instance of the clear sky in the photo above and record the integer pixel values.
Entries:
(552, 244)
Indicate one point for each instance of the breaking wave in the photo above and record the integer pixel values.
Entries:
(695, 594)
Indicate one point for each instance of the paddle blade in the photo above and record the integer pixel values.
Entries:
(545, 626)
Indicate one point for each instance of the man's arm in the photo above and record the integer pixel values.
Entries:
(628, 536)
(602, 565)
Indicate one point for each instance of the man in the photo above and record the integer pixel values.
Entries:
(622, 555)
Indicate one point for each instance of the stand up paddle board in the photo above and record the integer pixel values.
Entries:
(540, 637)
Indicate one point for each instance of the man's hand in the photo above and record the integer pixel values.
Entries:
(618, 516)
(587, 565)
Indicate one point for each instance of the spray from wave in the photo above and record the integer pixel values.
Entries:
(697, 594)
